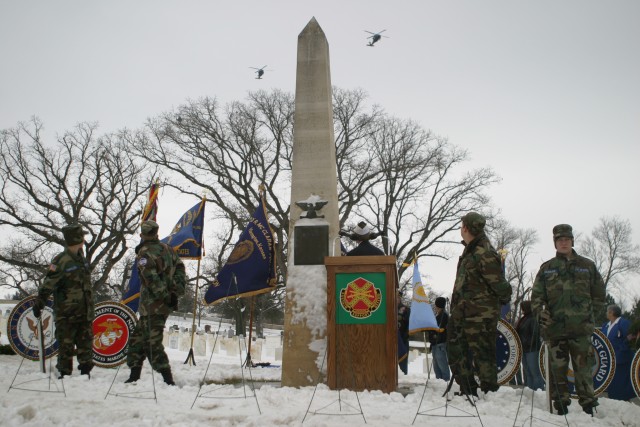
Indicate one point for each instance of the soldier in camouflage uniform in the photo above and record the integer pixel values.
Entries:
(69, 280)
(568, 290)
(479, 290)
(163, 279)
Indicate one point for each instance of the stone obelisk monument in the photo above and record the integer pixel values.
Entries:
(314, 181)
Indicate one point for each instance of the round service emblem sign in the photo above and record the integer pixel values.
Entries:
(22, 329)
(635, 373)
(112, 328)
(602, 371)
(508, 352)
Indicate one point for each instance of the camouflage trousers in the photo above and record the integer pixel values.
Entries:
(580, 352)
(472, 344)
(146, 342)
(70, 334)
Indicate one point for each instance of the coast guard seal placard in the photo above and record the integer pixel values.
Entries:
(112, 328)
(602, 371)
(22, 329)
(635, 373)
(508, 352)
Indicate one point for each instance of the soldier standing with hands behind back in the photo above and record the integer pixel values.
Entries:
(163, 279)
(69, 280)
(568, 290)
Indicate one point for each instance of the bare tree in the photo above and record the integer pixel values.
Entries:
(517, 244)
(612, 250)
(393, 173)
(80, 178)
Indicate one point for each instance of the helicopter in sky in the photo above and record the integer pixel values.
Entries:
(259, 71)
(375, 37)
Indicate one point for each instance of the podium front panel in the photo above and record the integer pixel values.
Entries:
(362, 351)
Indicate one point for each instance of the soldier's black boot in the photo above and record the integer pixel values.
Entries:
(64, 369)
(562, 407)
(85, 370)
(166, 376)
(135, 374)
(588, 409)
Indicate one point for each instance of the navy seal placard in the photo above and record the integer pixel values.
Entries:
(635, 373)
(602, 371)
(508, 352)
(22, 329)
(112, 329)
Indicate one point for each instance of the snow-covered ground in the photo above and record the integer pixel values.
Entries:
(87, 404)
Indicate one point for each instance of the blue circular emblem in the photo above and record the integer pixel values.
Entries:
(603, 369)
(508, 352)
(635, 373)
(22, 329)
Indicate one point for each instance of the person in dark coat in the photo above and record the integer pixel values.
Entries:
(404, 312)
(617, 329)
(362, 233)
(529, 332)
(438, 341)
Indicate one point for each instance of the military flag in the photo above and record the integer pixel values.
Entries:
(186, 236)
(131, 296)
(251, 266)
(422, 317)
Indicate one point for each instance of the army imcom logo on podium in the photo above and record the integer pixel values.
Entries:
(602, 371)
(112, 328)
(361, 298)
(508, 352)
(635, 373)
(22, 329)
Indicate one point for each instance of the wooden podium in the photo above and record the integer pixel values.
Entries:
(362, 325)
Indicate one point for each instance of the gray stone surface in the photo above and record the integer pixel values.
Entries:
(314, 175)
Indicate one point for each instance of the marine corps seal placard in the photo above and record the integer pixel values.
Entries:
(602, 371)
(112, 328)
(508, 352)
(22, 329)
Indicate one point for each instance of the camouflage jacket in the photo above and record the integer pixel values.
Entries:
(480, 286)
(69, 280)
(572, 290)
(161, 273)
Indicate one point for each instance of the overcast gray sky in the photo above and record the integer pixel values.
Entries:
(545, 92)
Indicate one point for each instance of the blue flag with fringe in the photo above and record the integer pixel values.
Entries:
(422, 317)
(251, 266)
(186, 236)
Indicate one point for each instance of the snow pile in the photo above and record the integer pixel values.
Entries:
(226, 405)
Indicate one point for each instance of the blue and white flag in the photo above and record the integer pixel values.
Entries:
(251, 266)
(422, 317)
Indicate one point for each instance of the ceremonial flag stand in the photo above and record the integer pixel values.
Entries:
(42, 365)
(134, 394)
(446, 406)
(339, 401)
(241, 338)
(190, 357)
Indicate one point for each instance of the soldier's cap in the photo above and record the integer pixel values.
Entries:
(149, 228)
(474, 222)
(562, 230)
(73, 234)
